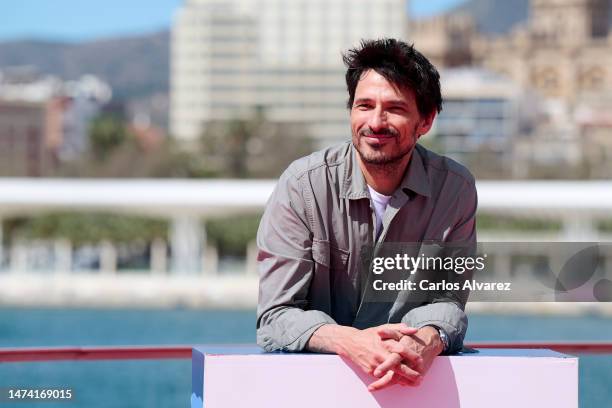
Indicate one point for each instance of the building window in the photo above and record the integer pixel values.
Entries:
(591, 78)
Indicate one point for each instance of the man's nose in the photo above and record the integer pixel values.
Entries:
(377, 120)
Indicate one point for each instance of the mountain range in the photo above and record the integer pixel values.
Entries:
(133, 66)
(495, 17)
(137, 67)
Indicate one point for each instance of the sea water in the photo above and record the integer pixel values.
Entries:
(167, 383)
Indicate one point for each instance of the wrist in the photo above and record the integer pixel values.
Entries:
(331, 338)
(342, 339)
(433, 338)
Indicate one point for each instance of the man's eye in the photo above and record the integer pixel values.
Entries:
(364, 106)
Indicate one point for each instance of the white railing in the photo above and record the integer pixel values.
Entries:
(185, 203)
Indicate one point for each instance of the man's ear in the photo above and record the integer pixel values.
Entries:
(426, 123)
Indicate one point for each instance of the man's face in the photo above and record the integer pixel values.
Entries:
(385, 121)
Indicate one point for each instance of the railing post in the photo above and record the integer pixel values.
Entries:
(251, 258)
(579, 228)
(503, 266)
(210, 261)
(159, 259)
(1, 244)
(186, 237)
(63, 256)
(108, 258)
(19, 257)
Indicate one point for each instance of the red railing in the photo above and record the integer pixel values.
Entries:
(562, 347)
(95, 353)
(184, 352)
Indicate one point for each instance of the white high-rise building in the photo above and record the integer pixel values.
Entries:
(229, 57)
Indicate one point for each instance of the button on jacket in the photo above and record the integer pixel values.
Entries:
(315, 225)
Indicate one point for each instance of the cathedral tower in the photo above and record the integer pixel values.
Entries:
(569, 21)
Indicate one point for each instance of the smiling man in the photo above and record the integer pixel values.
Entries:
(382, 187)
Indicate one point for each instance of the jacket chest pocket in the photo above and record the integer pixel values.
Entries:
(332, 289)
(330, 257)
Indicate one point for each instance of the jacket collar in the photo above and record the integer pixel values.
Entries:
(415, 178)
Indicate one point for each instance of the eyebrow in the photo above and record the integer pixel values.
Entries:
(395, 102)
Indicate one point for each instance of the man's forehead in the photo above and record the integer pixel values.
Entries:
(372, 81)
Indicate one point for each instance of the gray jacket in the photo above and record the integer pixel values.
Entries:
(315, 224)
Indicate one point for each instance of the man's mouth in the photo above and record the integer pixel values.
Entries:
(377, 138)
(381, 135)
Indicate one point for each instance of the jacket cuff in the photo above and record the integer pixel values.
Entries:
(291, 332)
(445, 315)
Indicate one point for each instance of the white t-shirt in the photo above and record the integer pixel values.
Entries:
(380, 205)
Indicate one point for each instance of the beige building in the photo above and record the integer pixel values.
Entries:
(563, 51)
(562, 56)
(45, 120)
(30, 133)
(483, 112)
(230, 57)
(445, 39)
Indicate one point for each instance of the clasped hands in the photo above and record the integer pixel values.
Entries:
(395, 353)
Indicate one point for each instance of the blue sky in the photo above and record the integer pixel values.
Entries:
(79, 20)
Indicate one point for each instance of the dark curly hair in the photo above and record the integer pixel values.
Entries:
(400, 64)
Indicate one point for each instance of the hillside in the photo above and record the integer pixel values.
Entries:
(133, 66)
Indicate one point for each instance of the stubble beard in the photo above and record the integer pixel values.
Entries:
(380, 160)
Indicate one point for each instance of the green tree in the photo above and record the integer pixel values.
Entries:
(106, 134)
(83, 227)
(232, 234)
(252, 147)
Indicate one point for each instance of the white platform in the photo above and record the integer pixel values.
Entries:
(244, 377)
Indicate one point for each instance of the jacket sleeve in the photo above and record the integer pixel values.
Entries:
(285, 268)
(447, 309)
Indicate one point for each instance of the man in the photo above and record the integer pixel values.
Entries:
(382, 187)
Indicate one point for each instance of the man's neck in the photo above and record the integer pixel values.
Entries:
(385, 179)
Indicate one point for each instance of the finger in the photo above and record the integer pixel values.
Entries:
(395, 331)
(407, 330)
(386, 333)
(407, 353)
(398, 379)
(403, 328)
(382, 382)
(407, 374)
(391, 361)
